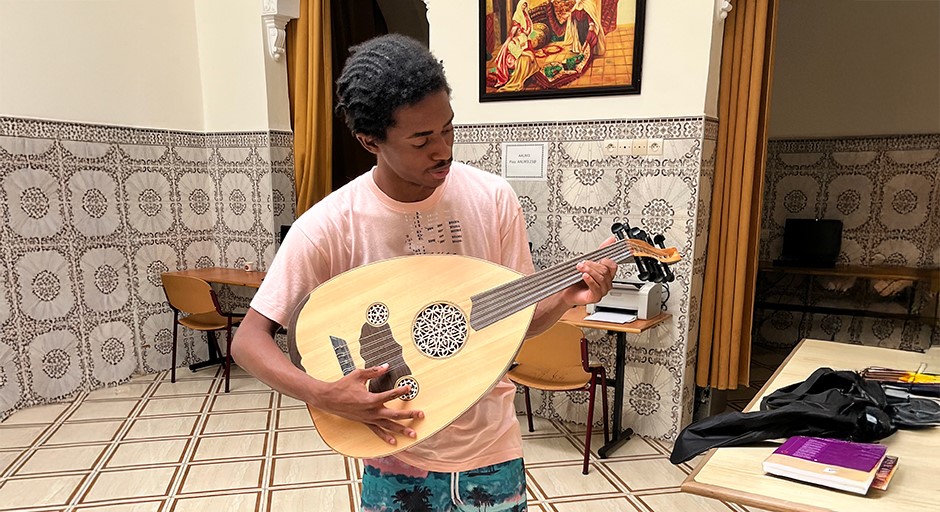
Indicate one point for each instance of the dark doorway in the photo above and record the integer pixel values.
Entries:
(355, 21)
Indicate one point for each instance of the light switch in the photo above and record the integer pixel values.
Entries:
(639, 146)
(625, 147)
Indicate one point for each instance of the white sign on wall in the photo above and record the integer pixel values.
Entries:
(524, 160)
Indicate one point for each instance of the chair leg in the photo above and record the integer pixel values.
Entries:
(228, 353)
(173, 348)
(590, 422)
(603, 376)
(528, 408)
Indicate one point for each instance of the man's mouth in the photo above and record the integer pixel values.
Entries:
(443, 166)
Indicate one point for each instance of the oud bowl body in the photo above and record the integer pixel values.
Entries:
(407, 286)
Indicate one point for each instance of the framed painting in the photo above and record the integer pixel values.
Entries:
(560, 48)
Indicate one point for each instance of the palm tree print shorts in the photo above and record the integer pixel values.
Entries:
(390, 485)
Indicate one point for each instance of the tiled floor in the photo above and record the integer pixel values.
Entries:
(764, 362)
(150, 445)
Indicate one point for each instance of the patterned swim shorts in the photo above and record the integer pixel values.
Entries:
(389, 484)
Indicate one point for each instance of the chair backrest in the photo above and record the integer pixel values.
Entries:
(189, 295)
(558, 347)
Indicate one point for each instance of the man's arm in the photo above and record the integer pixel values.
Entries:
(255, 350)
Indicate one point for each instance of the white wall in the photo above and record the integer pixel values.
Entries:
(121, 62)
(192, 65)
(850, 68)
(677, 51)
(243, 88)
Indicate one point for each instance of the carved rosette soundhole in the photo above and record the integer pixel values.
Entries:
(440, 330)
(377, 314)
(408, 380)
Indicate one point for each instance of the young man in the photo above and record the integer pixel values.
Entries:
(396, 101)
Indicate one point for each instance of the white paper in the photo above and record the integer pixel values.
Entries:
(612, 317)
(524, 161)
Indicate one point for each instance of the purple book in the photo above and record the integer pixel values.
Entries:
(833, 463)
(834, 452)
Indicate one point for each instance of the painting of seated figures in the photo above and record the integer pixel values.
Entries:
(559, 48)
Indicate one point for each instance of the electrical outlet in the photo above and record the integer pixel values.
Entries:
(639, 146)
(654, 147)
(625, 147)
(610, 147)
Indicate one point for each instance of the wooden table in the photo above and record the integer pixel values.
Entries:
(734, 473)
(575, 316)
(222, 275)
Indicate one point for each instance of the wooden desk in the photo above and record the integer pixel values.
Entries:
(575, 316)
(222, 275)
(931, 276)
(735, 474)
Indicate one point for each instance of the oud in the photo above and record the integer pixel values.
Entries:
(449, 326)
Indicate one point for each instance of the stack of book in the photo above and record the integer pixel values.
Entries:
(843, 465)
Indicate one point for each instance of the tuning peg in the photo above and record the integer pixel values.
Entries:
(658, 241)
(649, 265)
(619, 230)
(622, 231)
(654, 266)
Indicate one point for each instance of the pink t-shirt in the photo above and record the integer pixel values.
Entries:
(473, 213)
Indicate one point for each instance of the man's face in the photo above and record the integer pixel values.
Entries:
(415, 156)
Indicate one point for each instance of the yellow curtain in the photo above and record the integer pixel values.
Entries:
(310, 88)
(731, 263)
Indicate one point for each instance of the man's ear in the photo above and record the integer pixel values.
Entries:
(368, 142)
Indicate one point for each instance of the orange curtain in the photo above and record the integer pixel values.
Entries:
(310, 88)
(724, 342)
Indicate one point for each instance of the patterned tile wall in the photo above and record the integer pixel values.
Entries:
(91, 215)
(886, 190)
(570, 213)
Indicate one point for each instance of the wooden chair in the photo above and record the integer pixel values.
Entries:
(557, 360)
(196, 306)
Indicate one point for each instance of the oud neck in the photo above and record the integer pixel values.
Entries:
(497, 303)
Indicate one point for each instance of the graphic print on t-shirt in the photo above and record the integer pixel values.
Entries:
(433, 233)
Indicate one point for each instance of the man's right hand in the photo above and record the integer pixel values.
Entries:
(255, 350)
(350, 398)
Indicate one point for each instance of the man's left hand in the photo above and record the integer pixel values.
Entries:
(597, 279)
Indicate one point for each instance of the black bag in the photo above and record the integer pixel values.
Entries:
(830, 403)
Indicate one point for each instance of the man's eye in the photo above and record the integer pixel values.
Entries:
(419, 146)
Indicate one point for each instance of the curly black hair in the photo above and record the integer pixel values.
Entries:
(380, 76)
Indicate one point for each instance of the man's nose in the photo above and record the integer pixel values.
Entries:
(441, 148)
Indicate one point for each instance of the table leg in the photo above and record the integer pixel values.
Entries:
(618, 436)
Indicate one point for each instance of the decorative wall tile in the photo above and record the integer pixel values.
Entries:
(589, 187)
(906, 201)
(653, 395)
(149, 203)
(105, 279)
(236, 199)
(237, 253)
(55, 364)
(43, 280)
(34, 202)
(197, 200)
(201, 254)
(113, 352)
(149, 260)
(92, 196)
(156, 337)
(91, 216)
